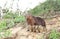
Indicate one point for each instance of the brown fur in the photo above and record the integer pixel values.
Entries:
(33, 21)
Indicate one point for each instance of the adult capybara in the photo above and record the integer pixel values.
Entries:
(33, 21)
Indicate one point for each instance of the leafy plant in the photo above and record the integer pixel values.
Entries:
(49, 6)
(54, 35)
(10, 23)
(3, 32)
(2, 25)
(10, 15)
(19, 19)
(6, 33)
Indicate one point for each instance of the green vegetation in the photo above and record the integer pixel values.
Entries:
(16, 18)
(9, 20)
(9, 15)
(49, 7)
(19, 19)
(3, 32)
(54, 35)
(6, 33)
(10, 23)
(3, 25)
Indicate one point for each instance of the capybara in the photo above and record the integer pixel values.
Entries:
(34, 22)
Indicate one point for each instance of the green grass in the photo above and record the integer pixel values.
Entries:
(10, 15)
(10, 23)
(6, 33)
(3, 32)
(3, 25)
(19, 19)
(54, 35)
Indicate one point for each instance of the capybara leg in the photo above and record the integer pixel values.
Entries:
(31, 28)
(28, 29)
(41, 29)
(38, 29)
(34, 29)
(44, 28)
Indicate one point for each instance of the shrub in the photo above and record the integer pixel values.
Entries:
(6, 33)
(2, 25)
(10, 23)
(19, 19)
(10, 15)
(3, 32)
(54, 35)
